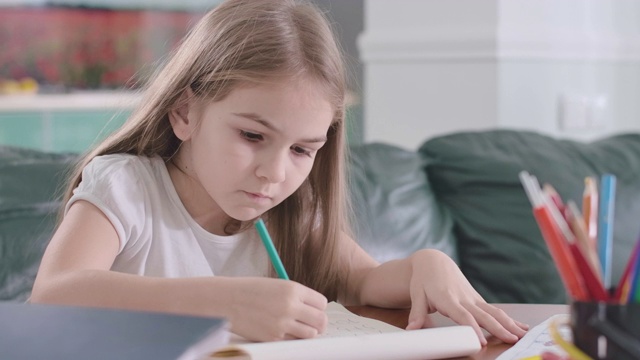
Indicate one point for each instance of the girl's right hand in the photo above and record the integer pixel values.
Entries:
(266, 309)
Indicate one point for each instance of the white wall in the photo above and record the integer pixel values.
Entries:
(568, 68)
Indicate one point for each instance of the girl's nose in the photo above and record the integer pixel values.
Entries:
(272, 167)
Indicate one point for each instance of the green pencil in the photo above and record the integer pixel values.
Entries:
(271, 249)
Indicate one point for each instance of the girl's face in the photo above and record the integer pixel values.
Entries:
(245, 154)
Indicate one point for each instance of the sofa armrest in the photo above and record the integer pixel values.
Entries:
(29, 187)
(395, 212)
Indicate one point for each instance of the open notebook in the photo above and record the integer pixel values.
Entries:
(354, 337)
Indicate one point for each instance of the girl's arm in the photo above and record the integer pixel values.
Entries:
(75, 271)
(427, 281)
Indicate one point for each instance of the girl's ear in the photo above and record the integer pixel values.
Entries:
(182, 117)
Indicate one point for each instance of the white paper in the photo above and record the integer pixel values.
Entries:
(538, 340)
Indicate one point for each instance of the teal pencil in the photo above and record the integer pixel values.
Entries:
(271, 249)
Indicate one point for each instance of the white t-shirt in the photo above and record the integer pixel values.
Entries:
(157, 235)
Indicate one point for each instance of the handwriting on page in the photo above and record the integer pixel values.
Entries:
(342, 322)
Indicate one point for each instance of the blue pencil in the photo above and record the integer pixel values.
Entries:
(271, 249)
(605, 225)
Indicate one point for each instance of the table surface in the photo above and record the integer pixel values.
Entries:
(531, 314)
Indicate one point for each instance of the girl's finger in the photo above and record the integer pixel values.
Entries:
(514, 327)
(299, 330)
(522, 326)
(313, 317)
(418, 311)
(492, 325)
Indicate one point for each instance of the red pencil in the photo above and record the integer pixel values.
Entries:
(593, 284)
(543, 212)
(561, 254)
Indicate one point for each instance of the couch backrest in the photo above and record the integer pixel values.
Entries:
(460, 193)
(29, 182)
(501, 250)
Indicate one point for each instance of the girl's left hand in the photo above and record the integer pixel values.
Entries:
(437, 284)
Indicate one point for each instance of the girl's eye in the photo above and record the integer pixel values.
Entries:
(301, 151)
(250, 136)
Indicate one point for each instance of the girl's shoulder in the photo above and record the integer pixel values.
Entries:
(122, 165)
(125, 188)
(128, 172)
(123, 161)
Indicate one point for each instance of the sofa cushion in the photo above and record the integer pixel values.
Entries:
(29, 181)
(395, 212)
(502, 252)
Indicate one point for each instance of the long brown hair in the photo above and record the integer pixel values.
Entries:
(248, 41)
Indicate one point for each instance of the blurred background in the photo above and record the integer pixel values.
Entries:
(69, 69)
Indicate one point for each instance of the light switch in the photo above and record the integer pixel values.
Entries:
(582, 112)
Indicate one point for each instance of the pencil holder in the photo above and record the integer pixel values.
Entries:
(606, 331)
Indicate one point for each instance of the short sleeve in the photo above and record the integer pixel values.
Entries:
(114, 185)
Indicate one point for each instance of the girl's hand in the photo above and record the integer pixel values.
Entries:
(267, 309)
(437, 284)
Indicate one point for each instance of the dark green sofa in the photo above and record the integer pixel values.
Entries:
(459, 193)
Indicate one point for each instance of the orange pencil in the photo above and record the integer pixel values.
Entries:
(622, 292)
(590, 209)
(574, 218)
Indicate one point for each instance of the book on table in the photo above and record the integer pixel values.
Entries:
(36, 331)
(354, 337)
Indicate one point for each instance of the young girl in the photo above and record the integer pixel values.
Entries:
(246, 120)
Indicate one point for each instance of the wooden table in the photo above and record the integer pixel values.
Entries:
(532, 314)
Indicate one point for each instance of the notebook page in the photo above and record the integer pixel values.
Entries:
(343, 322)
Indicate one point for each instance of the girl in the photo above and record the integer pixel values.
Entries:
(246, 120)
